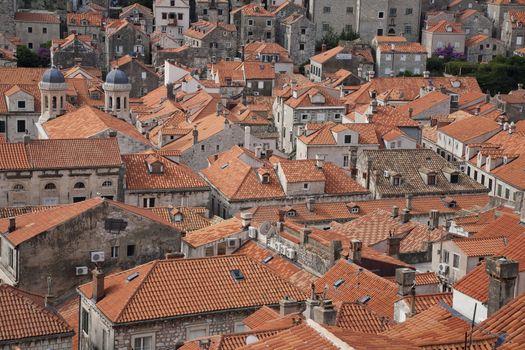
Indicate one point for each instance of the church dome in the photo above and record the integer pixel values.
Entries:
(116, 76)
(54, 76)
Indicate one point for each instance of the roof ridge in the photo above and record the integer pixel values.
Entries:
(139, 287)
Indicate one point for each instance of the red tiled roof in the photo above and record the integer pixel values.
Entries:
(91, 18)
(264, 314)
(326, 55)
(481, 246)
(24, 315)
(175, 176)
(358, 283)
(176, 287)
(426, 301)
(87, 122)
(69, 311)
(214, 233)
(359, 318)
(445, 26)
(253, 10)
(463, 131)
(404, 47)
(37, 17)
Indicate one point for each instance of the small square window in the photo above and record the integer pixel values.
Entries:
(180, 16)
(20, 126)
(349, 10)
(455, 262)
(409, 11)
(21, 104)
(327, 9)
(44, 30)
(381, 14)
(250, 22)
(130, 251)
(301, 47)
(29, 45)
(348, 138)
(114, 251)
(30, 29)
(203, 148)
(269, 23)
(306, 186)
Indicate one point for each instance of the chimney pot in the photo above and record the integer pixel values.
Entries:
(287, 306)
(325, 314)
(405, 279)
(434, 219)
(408, 201)
(12, 224)
(395, 211)
(319, 161)
(394, 245)
(356, 246)
(405, 216)
(310, 204)
(246, 219)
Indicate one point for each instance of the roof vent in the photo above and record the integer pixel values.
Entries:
(132, 276)
(224, 166)
(237, 275)
(339, 282)
(364, 300)
(267, 259)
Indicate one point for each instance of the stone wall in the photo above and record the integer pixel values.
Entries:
(58, 251)
(64, 343)
(7, 17)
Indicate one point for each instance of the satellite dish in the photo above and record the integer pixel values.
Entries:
(251, 339)
(265, 228)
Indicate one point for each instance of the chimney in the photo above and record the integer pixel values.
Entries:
(356, 246)
(174, 255)
(433, 217)
(323, 47)
(405, 216)
(248, 137)
(310, 204)
(325, 314)
(502, 273)
(408, 201)
(520, 86)
(311, 304)
(27, 139)
(287, 306)
(395, 211)
(195, 134)
(393, 245)
(12, 224)
(246, 218)
(258, 152)
(319, 161)
(97, 285)
(410, 112)
(336, 247)
(303, 235)
(405, 279)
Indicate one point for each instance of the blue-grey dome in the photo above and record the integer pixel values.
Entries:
(116, 76)
(54, 76)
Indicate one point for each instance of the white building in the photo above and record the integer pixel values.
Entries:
(172, 17)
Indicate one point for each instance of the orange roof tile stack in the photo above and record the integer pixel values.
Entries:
(23, 315)
(178, 287)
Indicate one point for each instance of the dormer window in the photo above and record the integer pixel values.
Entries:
(454, 178)
(21, 104)
(432, 180)
(291, 213)
(265, 178)
(84, 22)
(348, 139)
(396, 180)
(154, 165)
(354, 208)
(178, 217)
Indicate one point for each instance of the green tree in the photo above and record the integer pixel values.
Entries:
(330, 39)
(26, 57)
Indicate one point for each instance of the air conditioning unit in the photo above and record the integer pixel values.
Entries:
(443, 269)
(283, 249)
(256, 93)
(290, 253)
(252, 232)
(386, 173)
(97, 257)
(277, 246)
(233, 242)
(81, 270)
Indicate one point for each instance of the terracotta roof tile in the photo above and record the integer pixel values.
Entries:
(264, 314)
(445, 26)
(176, 287)
(463, 131)
(359, 318)
(193, 218)
(219, 231)
(91, 18)
(359, 283)
(326, 55)
(404, 47)
(175, 176)
(253, 10)
(23, 315)
(37, 17)
(426, 278)
(69, 311)
(87, 122)
(324, 135)
(426, 301)
(473, 247)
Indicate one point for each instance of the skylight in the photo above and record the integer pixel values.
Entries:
(237, 275)
(132, 276)
(267, 259)
(339, 282)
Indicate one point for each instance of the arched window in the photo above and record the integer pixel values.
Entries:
(107, 184)
(125, 102)
(50, 186)
(118, 103)
(79, 185)
(46, 102)
(54, 105)
(18, 187)
(110, 102)
(61, 102)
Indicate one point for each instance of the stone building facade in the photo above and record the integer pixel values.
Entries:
(143, 78)
(395, 59)
(7, 17)
(253, 23)
(172, 17)
(48, 181)
(513, 31)
(123, 236)
(124, 38)
(474, 22)
(497, 10)
(297, 33)
(367, 17)
(482, 48)
(73, 51)
(213, 10)
(36, 28)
